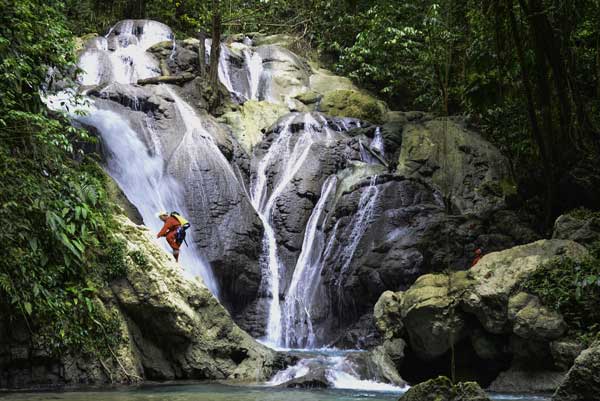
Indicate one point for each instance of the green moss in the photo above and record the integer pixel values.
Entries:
(140, 259)
(584, 214)
(571, 288)
(348, 103)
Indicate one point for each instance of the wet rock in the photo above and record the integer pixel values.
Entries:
(442, 389)
(582, 382)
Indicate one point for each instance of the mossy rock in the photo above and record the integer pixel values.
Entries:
(348, 103)
(442, 389)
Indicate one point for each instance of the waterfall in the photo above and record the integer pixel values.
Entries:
(298, 302)
(135, 157)
(141, 175)
(292, 156)
(377, 143)
(121, 55)
(244, 83)
(359, 223)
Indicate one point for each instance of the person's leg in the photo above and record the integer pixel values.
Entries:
(173, 243)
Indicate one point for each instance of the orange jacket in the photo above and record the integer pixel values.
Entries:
(171, 224)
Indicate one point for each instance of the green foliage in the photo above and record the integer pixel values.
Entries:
(55, 216)
(140, 259)
(573, 289)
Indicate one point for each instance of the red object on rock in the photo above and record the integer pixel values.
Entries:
(478, 256)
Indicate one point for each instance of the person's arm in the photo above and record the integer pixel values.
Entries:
(164, 230)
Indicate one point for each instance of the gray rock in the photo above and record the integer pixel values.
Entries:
(442, 389)
(578, 227)
(470, 172)
(564, 352)
(522, 381)
(583, 381)
(497, 274)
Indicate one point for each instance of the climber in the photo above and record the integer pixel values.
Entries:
(174, 230)
(478, 256)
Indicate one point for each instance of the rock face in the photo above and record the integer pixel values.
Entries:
(582, 382)
(171, 328)
(486, 318)
(470, 172)
(442, 389)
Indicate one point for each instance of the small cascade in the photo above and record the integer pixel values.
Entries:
(293, 154)
(121, 55)
(377, 144)
(334, 369)
(297, 323)
(359, 223)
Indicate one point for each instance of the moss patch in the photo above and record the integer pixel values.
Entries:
(348, 103)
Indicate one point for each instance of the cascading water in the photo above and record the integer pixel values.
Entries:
(121, 55)
(359, 223)
(377, 144)
(245, 82)
(297, 323)
(141, 175)
(293, 157)
(135, 157)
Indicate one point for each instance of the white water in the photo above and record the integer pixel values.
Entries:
(377, 143)
(337, 369)
(128, 61)
(292, 157)
(136, 160)
(244, 85)
(297, 321)
(359, 223)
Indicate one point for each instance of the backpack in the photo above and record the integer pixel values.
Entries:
(180, 234)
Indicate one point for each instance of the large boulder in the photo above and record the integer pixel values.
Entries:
(471, 173)
(485, 316)
(497, 276)
(583, 381)
(430, 313)
(442, 389)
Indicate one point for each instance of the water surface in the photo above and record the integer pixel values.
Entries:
(222, 392)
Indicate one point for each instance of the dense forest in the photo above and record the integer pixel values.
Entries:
(523, 73)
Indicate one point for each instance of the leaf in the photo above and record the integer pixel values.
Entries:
(28, 308)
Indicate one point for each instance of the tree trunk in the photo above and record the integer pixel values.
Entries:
(539, 137)
(201, 54)
(215, 53)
